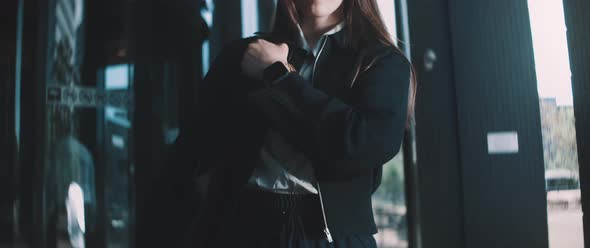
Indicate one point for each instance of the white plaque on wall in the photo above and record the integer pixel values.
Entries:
(503, 142)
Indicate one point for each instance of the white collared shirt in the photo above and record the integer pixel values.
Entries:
(281, 168)
(306, 70)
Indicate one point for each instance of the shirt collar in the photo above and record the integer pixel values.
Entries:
(303, 41)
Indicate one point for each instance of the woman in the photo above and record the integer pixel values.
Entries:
(294, 127)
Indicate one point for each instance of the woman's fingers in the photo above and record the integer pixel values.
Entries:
(260, 54)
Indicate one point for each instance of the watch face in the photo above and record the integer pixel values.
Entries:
(275, 71)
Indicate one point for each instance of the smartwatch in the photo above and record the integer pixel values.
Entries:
(274, 72)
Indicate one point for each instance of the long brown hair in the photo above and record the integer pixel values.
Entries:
(365, 28)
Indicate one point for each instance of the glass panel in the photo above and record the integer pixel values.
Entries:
(389, 202)
(86, 165)
(564, 210)
(69, 165)
(116, 125)
(87, 183)
(249, 17)
(387, 9)
(389, 206)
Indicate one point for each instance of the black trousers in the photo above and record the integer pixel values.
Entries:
(266, 220)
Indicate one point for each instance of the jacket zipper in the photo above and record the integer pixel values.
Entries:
(326, 228)
(316, 61)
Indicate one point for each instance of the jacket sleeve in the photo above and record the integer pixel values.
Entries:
(367, 129)
(200, 145)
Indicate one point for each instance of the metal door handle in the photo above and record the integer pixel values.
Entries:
(429, 60)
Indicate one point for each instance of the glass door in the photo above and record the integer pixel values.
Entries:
(564, 210)
(89, 149)
(86, 166)
(389, 200)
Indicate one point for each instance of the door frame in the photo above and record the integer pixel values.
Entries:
(578, 35)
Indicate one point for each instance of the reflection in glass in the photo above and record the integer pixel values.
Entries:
(75, 213)
(69, 165)
(87, 124)
(117, 77)
(116, 127)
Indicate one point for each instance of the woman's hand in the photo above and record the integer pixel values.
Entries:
(261, 54)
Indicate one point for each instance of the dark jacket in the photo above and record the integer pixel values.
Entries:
(348, 132)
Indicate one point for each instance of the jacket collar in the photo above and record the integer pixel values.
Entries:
(298, 49)
(335, 32)
(340, 37)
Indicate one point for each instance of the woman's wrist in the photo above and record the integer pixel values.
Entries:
(274, 72)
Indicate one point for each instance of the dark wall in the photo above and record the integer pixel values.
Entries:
(504, 202)
(30, 154)
(8, 18)
(439, 171)
(578, 34)
(167, 56)
(266, 11)
(227, 25)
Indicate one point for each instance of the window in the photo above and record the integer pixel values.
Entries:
(557, 122)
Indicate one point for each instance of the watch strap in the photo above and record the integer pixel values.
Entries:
(275, 72)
